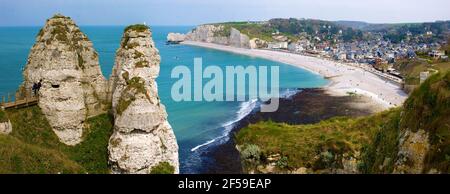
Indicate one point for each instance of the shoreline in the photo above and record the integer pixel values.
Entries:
(223, 157)
(343, 78)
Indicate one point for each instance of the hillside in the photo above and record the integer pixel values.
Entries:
(32, 147)
(337, 30)
(412, 139)
(292, 28)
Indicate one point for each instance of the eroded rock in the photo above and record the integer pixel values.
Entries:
(73, 87)
(142, 136)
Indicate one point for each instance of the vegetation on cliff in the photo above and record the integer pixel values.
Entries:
(135, 87)
(3, 116)
(428, 109)
(303, 145)
(137, 27)
(163, 168)
(293, 29)
(373, 141)
(33, 147)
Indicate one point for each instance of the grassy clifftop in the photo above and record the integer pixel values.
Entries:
(367, 145)
(318, 147)
(428, 109)
(33, 147)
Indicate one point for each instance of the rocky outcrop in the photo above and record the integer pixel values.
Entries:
(73, 87)
(5, 127)
(175, 38)
(142, 137)
(412, 151)
(256, 43)
(219, 34)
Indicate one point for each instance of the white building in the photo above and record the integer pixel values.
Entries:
(278, 45)
(295, 47)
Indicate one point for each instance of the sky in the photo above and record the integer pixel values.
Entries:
(193, 12)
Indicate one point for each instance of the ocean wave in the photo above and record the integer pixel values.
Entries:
(245, 109)
(289, 93)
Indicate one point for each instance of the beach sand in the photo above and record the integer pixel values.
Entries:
(344, 78)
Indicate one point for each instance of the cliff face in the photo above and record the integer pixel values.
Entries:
(219, 34)
(73, 87)
(143, 138)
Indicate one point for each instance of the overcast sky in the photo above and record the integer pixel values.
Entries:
(191, 12)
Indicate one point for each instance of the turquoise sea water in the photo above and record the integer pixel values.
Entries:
(197, 125)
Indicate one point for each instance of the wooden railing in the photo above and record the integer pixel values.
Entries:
(19, 99)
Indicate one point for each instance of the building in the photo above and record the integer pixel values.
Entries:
(295, 47)
(436, 54)
(278, 45)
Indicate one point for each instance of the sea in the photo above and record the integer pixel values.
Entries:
(197, 125)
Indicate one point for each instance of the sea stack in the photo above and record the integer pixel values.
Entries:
(73, 88)
(142, 140)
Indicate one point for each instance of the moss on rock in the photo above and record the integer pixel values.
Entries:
(135, 86)
(163, 168)
(137, 28)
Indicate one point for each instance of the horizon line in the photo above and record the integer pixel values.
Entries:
(265, 20)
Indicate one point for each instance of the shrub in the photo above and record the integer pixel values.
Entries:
(137, 27)
(251, 153)
(282, 163)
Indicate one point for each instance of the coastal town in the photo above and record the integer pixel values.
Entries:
(377, 53)
(378, 49)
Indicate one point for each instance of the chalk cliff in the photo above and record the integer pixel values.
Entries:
(175, 37)
(5, 127)
(142, 137)
(73, 87)
(217, 34)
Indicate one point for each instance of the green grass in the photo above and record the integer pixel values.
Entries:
(379, 155)
(18, 157)
(33, 136)
(411, 69)
(301, 144)
(249, 29)
(137, 27)
(428, 109)
(163, 168)
(3, 116)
